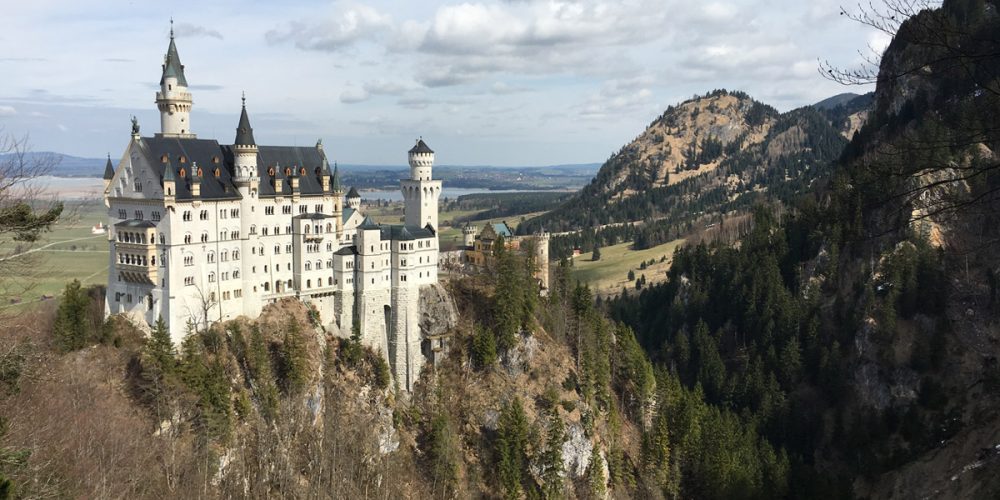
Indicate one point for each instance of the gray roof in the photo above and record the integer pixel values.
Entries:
(368, 223)
(420, 147)
(405, 233)
(351, 250)
(109, 170)
(210, 155)
(244, 132)
(311, 216)
(348, 212)
(132, 223)
(353, 193)
(175, 154)
(172, 64)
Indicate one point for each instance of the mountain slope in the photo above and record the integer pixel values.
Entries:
(711, 155)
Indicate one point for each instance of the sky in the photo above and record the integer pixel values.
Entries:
(507, 82)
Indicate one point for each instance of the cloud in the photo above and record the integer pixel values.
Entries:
(503, 88)
(343, 29)
(62, 128)
(7, 110)
(385, 87)
(186, 30)
(618, 96)
(354, 96)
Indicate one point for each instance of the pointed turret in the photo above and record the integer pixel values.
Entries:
(173, 100)
(244, 132)
(335, 180)
(169, 183)
(109, 170)
(172, 66)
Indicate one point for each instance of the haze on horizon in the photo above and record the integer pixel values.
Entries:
(515, 82)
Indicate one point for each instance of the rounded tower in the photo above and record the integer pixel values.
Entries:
(173, 99)
(469, 235)
(421, 191)
(244, 150)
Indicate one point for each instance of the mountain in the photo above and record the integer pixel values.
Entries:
(61, 165)
(712, 155)
(835, 101)
(857, 327)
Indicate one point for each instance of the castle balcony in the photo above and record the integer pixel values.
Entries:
(137, 273)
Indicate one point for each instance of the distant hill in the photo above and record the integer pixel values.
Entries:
(66, 165)
(837, 100)
(714, 154)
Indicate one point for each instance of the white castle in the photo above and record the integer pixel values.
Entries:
(203, 232)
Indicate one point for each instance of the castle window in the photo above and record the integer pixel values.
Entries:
(236, 274)
(224, 256)
(303, 209)
(319, 208)
(270, 171)
(149, 302)
(288, 249)
(277, 249)
(309, 283)
(122, 213)
(239, 293)
(269, 210)
(319, 264)
(186, 216)
(189, 260)
(215, 160)
(316, 171)
(183, 173)
(329, 281)
(187, 238)
(288, 171)
(217, 171)
(263, 230)
(204, 237)
(156, 216)
(200, 173)
(183, 159)
(164, 158)
(211, 277)
(210, 257)
(302, 171)
(138, 186)
(203, 215)
(308, 266)
(253, 229)
(287, 210)
(189, 280)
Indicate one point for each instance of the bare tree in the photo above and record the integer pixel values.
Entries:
(23, 213)
(207, 300)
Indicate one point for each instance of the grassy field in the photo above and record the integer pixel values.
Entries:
(608, 275)
(66, 253)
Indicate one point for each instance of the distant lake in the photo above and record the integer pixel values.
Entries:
(446, 192)
(93, 187)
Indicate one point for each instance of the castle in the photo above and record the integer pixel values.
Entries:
(203, 232)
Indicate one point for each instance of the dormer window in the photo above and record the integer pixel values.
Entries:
(302, 171)
(164, 159)
(200, 172)
(215, 160)
(270, 171)
(182, 159)
(217, 172)
(183, 172)
(288, 171)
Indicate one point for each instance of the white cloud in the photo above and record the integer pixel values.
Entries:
(186, 30)
(7, 110)
(343, 29)
(354, 96)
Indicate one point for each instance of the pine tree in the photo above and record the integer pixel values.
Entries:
(442, 454)
(597, 252)
(161, 348)
(552, 460)
(512, 439)
(72, 326)
(595, 474)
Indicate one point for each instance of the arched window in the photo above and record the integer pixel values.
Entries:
(236, 255)
(210, 257)
(309, 283)
(302, 171)
(270, 171)
(288, 171)
(183, 172)
(200, 173)
(308, 266)
(211, 277)
(236, 274)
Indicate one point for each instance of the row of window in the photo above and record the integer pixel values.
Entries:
(135, 260)
(210, 257)
(137, 215)
(226, 276)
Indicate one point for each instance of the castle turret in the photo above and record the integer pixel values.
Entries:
(244, 152)
(420, 191)
(169, 183)
(353, 199)
(196, 180)
(173, 99)
(469, 235)
(109, 173)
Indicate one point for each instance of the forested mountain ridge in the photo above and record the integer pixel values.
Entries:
(859, 333)
(711, 155)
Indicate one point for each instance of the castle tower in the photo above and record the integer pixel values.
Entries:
(173, 99)
(338, 200)
(244, 153)
(109, 173)
(542, 260)
(420, 191)
(353, 199)
(469, 235)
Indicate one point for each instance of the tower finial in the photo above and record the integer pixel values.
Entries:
(171, 27)
(244, 98)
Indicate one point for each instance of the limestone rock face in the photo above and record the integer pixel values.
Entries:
(438, 313)
(576, 451)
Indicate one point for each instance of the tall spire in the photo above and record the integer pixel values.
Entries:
(244, 132)
(109, 169)
(336, 179)
(172, 62)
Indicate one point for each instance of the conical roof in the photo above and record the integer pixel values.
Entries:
(353, 193)
(420, 147)
(168, 172)
(109, 170)
(368, 223)
(335, 181)
(172, 64)
(244, 132)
